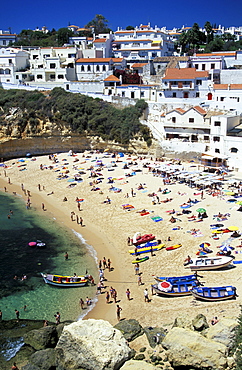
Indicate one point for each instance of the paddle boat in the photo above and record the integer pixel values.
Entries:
(141, 239)
(171, 248)
(214, 293)
(65, 281)
(209, 263)
(177, 278)
(37, 243)
(148, 249)
(174, 288)
(140, 259)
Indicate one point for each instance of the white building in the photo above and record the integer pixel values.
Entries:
(185, 83)
(6, 37)
(93, 69)
(12, 61)
(142, 44)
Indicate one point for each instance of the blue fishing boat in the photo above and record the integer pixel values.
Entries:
(174, 289)
(177, 278)
(214, 293)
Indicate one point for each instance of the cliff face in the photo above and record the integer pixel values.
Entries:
(19, 136)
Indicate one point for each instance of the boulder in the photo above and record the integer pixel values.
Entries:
(131, 329)
(91, 344)
(223, 332)
(189, 348)
(41, 360)
(154, 335)
(137, 365)
(200, 322)
(42, 338)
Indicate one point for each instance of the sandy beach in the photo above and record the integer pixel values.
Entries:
(106, 226)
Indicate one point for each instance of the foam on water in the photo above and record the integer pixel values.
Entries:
(90, 248)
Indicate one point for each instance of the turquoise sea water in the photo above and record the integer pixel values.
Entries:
(18, 259)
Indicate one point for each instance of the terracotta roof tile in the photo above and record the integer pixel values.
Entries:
(184, 73)
(139, 65)
(199, 109)
(112, 78)
(220, 86)
(180, 110)
(235, 86)
(117, 60)
(100, 40)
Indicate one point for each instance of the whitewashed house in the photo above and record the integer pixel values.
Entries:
(91, 69)
(13, 63)
(6, 37)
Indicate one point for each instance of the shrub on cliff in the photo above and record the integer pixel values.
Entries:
(81, 113)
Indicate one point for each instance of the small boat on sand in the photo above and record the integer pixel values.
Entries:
(138, 251)
(177, 278)
(141, 239)
(209, 263)
(214, 293)
(172, 247)
(65, 281)
(140, 259)
(174, 289)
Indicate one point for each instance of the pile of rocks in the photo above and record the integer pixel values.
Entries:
(96, 344)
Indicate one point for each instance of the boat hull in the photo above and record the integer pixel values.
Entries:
(178, 289)
(192, 277)
(213, 263)
(146, 249)
(213, 294)
(65, 281)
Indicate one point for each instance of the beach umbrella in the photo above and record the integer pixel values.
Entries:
(226, 248)
(204, 245)
(233, 228)
(201, 210)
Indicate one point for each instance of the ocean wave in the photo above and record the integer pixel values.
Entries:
(11, 347)
(89, 247)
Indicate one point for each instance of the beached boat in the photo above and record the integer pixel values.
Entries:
(176, 278)
(214, 293)
(209, 263)
(174, 289)
(65, 281)
(140, 259)
(141, 239)
(138, 251)
(172, 247)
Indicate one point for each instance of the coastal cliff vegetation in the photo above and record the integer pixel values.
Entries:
(29, 111)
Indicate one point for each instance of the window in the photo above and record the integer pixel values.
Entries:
(142, 94)
(89, 68)
(82, 68)
(10, 61)
(196, 66)
(60, 77)
(104, 68)
(191, 120)
(132, 95)
(97, 68)
(222, 98)
(52, 65)
(217, 151)
(206, 138)
(212, 65)
(35, 56)
(4, 42)
(52, 77)
(7, 71)
(39, 77)
(199, 82)
(17, 77)
(203, 67)
(197, 94)
(173, 119)
(123, 94)
(158, 67)
(216, 138)
(217, 123)
(234, 150)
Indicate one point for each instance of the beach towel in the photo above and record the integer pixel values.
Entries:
(144, 213)
(156, 218)
(127, 207)
(237, 262)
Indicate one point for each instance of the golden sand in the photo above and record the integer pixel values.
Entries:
(107, 227)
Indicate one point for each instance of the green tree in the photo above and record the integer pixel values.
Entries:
(216, 45)
(63, 35)
(128, 28)
(195, 36)
(209, 32)
(99, 23)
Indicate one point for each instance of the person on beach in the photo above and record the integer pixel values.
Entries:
(107, 297)
(46, 323)
(1, 315)
(104, 263)
(146, 295)
(99, 288)
(79, 206)
(72, 216)
(88, 301)
(81, 302)
(57, 318)
(81, 221)
(66, 256)
(14, 367)
(17, 314)
(109, 264)
(128, 241)
(139, 280)
(43, 207)
(100, 264)
(77, 219)
(118, 311)
(136, 268)
(214, 320)
(128, 294)
(39, 187)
